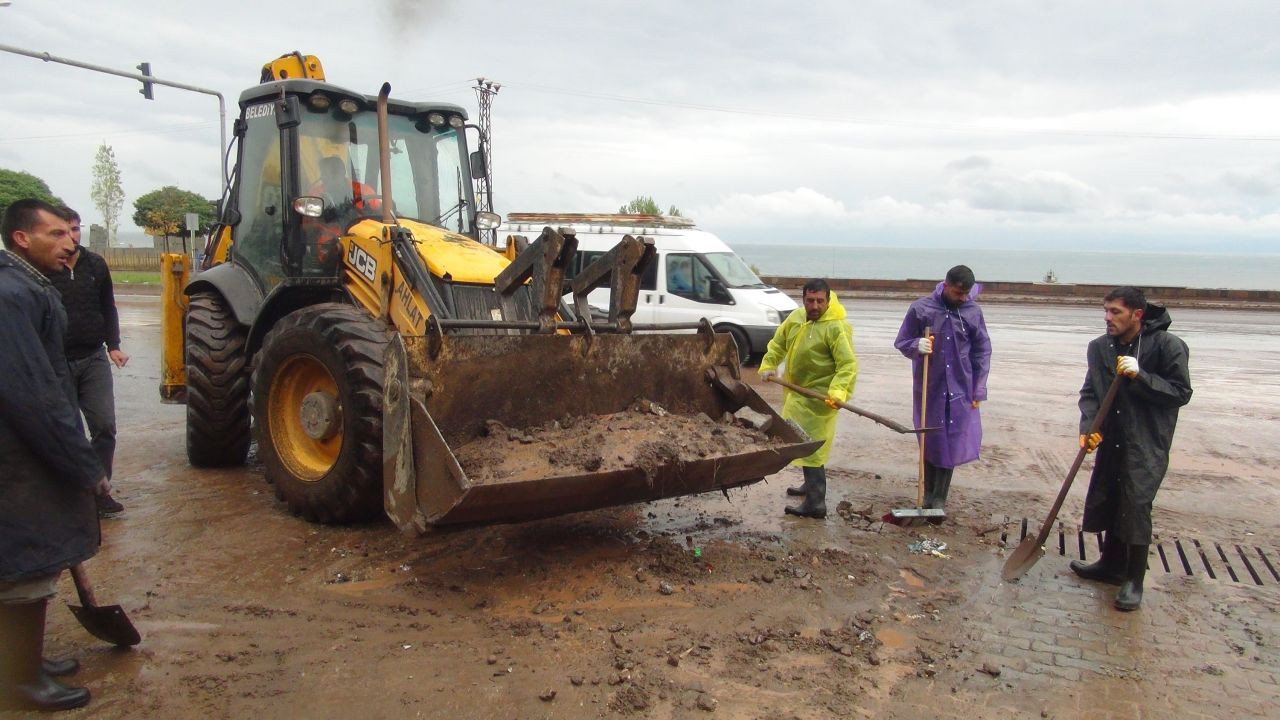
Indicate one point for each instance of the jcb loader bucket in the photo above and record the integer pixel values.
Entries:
(442, 390)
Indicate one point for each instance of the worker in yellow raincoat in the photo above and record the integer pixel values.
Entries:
(814, 346)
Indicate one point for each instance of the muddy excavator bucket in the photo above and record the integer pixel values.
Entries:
(504, 428)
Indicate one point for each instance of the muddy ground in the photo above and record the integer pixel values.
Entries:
(692, 607)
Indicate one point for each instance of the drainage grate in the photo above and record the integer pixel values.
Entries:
(1192, 557)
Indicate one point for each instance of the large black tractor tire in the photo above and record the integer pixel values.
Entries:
(317, 412)
(217, 384)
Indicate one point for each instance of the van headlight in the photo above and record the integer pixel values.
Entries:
(773, 316)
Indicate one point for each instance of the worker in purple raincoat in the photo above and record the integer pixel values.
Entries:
(959, 352)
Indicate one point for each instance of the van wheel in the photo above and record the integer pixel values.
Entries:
(740, 338)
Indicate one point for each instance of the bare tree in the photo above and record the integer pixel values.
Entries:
(107, 193)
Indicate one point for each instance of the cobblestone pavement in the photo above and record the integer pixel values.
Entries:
(1051, 645)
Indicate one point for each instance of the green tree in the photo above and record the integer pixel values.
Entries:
(645, 205)
(18, 185)
(163, 212)
(107, 192)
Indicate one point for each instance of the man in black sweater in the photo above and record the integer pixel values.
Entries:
(92, 346)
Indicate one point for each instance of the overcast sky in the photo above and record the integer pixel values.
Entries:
(1103, 125)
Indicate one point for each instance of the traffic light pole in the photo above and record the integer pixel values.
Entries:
(144, 79)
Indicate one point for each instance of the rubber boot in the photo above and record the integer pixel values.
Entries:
(941, 487)
(1130, 595)
(1110, 565)
(815, 500)
(800, 490)
(61, 667)
(24, 685)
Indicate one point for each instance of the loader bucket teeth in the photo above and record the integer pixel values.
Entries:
(469, 390)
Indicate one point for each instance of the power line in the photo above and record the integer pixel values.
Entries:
(910, 124)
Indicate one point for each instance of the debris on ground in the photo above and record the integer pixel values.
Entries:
(928, 546)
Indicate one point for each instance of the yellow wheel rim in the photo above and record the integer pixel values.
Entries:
(299, 384)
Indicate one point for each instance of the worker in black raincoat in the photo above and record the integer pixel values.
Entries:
(49, 474)
(1133, 444)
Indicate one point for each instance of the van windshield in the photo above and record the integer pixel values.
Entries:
(735, 272)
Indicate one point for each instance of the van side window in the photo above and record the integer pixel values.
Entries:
(583, 258)
(689, 276)
(680, 274)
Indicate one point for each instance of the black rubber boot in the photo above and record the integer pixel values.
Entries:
(940, 479)
(815, 500)
(941, 488)
(24, 685)
(61, 667)
(800, 490)
(1130, 595)
(1109, 568)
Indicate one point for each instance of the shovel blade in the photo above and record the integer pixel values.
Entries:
(1026, 555)
(911, 517)
(108, 623)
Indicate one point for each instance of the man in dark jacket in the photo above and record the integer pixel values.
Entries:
(92, 323)
(1135, 436)
(49, 474)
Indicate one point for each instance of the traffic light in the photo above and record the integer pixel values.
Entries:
(145, 69)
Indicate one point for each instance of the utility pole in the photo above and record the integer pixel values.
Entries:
(485, 90)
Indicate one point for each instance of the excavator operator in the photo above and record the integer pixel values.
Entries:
(345, 200)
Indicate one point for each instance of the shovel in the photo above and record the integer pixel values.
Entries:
(907, 517)
(107, 623)
(1030, 550)
(891, 424)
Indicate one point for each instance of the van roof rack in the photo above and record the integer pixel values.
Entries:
(655, 221)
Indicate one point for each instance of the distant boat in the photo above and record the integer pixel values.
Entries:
(1051, 276)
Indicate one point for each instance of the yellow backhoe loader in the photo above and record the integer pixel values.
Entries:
(347, 317)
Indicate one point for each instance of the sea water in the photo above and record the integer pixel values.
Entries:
(1198, 270)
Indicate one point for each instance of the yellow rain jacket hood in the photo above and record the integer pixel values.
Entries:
(817, 355)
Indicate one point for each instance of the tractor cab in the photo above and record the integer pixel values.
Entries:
(309, 170)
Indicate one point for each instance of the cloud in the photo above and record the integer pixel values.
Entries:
(973, 162)
(1261, 183)
(804, 204)
(1037, 191)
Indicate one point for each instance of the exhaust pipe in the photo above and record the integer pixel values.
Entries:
(384, 154)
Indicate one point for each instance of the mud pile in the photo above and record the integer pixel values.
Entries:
(644, 436)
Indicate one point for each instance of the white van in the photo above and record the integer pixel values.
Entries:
(694, 276)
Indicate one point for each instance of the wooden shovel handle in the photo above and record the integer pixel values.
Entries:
(924, 417)
(1094, 427)
(83, 588)
(882, 420)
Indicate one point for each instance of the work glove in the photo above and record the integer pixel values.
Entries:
(766, 374)
(1127, 365)
(833, 403)
(1091, 441)
(924, 345)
